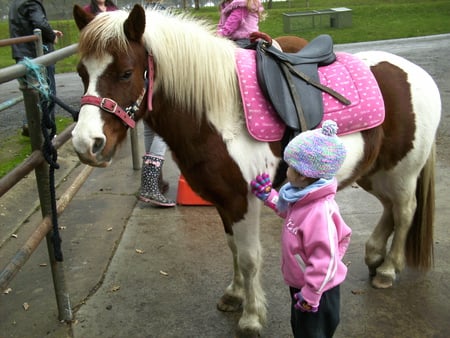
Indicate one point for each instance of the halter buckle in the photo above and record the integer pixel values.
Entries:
(109, 105)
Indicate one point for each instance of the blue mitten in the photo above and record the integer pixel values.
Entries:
(303, 305)
(261, 186)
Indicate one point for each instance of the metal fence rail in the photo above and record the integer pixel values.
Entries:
(37, 163)
(16, 71)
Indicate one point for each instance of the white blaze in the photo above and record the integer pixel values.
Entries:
(90, 125)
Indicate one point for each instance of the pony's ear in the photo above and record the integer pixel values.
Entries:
(134, 26)
(82, 18)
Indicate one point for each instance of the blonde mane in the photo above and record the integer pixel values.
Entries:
(103, 35)
(194, 67)
(197, 68)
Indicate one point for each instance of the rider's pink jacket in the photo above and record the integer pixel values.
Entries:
(314, 240)
(236, 21)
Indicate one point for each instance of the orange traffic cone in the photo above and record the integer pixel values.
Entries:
(186, 196)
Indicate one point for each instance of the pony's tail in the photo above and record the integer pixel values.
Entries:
(419, 243)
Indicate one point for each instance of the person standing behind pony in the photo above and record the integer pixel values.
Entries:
(24, 17)
(314, 237)
(98, 6)
(153, 186)
(238, 19)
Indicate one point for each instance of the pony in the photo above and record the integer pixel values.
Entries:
(189, 94)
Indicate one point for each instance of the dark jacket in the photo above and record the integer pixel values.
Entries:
(24, 17)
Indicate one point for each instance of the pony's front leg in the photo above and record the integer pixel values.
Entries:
(233, 297)
(247, 259)
(247, 239)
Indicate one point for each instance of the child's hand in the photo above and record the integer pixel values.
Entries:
(303, 305)
(261, 186)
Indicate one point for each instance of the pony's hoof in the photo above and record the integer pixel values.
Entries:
(247, 333)
(373, 262)
(382, 282)
(229, 303)
(372, 272)
(249, 326)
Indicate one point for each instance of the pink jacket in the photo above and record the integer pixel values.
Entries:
(313, 242)
(88, 8)
(236, 21)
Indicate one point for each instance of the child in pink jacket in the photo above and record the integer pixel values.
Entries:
(238, 19)
(314, 237)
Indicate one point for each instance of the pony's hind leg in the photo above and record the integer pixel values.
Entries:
(377, 242)
(399, 206)
(395, 259)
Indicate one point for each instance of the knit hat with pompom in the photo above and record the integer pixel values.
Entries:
(316, 153)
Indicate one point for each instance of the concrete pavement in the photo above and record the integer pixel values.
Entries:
(116, 249)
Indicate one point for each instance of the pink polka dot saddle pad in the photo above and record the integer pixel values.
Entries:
(348, 76)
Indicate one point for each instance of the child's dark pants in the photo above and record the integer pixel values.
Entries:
(320, 324)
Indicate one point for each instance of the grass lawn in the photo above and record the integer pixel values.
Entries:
(371, 20)
(16, 148)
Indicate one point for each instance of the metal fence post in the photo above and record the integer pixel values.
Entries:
(38, 43)
(135, 149)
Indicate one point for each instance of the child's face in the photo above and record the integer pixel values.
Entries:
(294, 177)
(298, 180)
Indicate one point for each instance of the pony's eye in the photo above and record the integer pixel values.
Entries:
(126, 75)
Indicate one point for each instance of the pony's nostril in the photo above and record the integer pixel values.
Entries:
(98, 145)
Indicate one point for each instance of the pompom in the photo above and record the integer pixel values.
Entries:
(329, 128)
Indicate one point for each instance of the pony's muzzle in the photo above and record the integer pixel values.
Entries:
(90, 149)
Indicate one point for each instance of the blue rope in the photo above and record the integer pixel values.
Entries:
(48, 128)
(35, 71)
(43, 88)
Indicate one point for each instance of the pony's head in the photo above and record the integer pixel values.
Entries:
(191, 77)
(112, 67)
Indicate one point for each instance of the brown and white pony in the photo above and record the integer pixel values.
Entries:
(197, 109)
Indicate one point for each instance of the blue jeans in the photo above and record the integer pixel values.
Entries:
(153, 143)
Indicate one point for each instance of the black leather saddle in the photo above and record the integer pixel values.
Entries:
(290, 81)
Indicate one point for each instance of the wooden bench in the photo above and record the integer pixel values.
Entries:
(340, 17)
